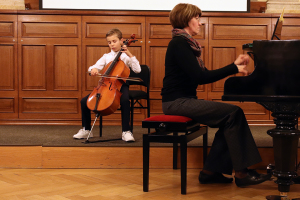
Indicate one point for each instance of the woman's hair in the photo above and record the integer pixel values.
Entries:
(114, 31)
(182, 13)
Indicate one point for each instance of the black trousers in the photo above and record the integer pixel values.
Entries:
(233, 146)
(125, 110)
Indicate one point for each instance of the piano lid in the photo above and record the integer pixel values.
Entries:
(276, 76)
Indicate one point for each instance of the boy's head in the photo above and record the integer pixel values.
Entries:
(116, 32)
(114, 39)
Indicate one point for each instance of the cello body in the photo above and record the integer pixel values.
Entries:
(105, 98)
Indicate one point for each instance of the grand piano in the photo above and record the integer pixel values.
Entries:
(275, 84)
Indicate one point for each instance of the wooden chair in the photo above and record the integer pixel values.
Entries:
(167, 128)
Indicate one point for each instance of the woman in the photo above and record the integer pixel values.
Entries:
(233, 146)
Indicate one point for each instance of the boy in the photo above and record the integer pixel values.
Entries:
(115, 42)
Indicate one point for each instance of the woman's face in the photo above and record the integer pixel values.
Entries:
(194, 26)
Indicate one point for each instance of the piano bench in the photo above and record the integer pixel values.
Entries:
(167, 128)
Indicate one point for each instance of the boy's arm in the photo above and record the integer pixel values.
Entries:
(134, 64)
(100, 64)
(130, 60)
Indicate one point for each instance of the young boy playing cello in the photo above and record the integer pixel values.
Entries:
(115, 42)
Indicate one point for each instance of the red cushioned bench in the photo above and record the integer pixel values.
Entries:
(167, 128)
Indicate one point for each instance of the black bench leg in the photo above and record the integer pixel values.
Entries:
(175, 151)
(204, 147)
(146, 148)
(183, 156)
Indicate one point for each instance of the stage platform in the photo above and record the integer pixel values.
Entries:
(27, 146)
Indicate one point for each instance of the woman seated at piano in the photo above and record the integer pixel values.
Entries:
(233, 147)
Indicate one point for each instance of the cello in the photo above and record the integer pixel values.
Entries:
(105, 98)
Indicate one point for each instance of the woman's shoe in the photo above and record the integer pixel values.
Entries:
(252, 178)
(214, 178)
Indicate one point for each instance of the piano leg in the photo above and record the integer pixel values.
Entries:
(285, 143)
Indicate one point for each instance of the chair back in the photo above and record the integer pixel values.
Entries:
(144, 75)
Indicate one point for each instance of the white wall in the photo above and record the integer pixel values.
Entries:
(160, 5)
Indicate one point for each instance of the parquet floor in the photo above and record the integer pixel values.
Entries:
(118, 184)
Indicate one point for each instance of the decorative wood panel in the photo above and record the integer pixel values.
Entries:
(49, 29)
(7, 105)
(219, 57)
(93, 53)
(49, 105)
(100, 30)
(253, 111)
(6, 29)
(290, 28)
(65, 68)
(7, 75)
(34, 68)
(239, 32)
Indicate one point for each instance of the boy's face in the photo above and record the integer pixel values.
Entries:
(114, 43)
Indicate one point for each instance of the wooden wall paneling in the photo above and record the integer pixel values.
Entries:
(8, 67)
(227, 35)
(49, 52)
(158, 36)
(94, 29)
(290, 28)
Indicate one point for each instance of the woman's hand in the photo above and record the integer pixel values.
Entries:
(125, 50)
(94, 72)
(241, 62)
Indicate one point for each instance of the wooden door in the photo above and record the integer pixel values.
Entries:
(8, 67)
(49, 48)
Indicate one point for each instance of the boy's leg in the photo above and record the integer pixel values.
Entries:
(125, 114)
(125, 108)
(85, 114)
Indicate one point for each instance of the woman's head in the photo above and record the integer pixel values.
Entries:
(182, 13)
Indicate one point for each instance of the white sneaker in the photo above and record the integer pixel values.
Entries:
(82, 134)
(127, 136)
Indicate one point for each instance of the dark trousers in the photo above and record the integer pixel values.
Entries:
(233, 146)
(125, 110)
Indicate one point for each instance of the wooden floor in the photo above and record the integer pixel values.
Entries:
(95, 184)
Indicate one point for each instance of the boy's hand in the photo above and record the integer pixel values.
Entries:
(125, 50)
(94, 72)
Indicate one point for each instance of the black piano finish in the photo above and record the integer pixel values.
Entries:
(276, 77)
(275, 84)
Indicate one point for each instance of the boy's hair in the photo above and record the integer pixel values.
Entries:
(116, 32)
(182, 13)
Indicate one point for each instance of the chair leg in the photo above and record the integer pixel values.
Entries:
(183, 156)
(146, 148)
(100, 126)
(148, 111)
(175, 151)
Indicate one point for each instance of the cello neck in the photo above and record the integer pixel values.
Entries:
(114, 62)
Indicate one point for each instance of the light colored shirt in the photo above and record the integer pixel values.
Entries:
(132, 62)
